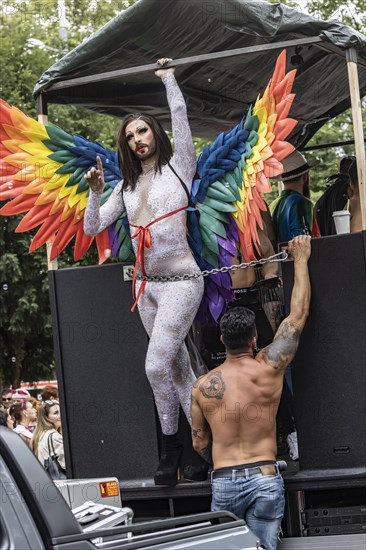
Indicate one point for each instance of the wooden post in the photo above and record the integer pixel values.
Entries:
(351, 56)
(43, 119)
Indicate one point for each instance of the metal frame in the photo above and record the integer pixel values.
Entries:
(182, 61)
(328, 145)
(350, 56)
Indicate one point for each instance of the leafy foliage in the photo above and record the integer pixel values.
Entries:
(340, 128)
(25, 324)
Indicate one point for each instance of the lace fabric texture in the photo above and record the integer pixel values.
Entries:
(167, 310)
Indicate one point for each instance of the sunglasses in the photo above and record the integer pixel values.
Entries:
(52, 402)
(7, 398)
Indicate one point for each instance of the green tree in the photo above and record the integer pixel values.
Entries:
(339, 128)
(351, 13)
(25, 324)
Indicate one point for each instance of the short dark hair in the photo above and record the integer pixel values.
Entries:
(237, 328)
(129, 164)
(5, 391)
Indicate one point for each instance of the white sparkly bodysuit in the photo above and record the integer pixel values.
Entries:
(167, 310)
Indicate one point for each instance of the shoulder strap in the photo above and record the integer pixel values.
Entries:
(303, 218)
(50, 445)
(181, 181)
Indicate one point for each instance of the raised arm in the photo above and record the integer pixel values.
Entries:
(97, 217)
(280, 353)
(184, 153)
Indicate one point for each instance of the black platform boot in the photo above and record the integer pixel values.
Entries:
(167, 472)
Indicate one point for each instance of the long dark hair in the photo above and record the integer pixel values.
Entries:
(128, 162)
(16, 411)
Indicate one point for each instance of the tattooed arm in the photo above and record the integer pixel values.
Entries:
(201, 432)
(280, 353)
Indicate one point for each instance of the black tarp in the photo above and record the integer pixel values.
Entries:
(217, 91)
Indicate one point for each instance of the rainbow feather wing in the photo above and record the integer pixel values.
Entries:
(232, 174)
(120, 239)
(42, 174)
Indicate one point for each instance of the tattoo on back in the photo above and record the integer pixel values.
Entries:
(284, 346)
(213, 386)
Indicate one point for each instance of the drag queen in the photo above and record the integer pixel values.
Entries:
(154, 193)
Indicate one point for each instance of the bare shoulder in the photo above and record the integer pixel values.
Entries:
(281, 352)
(211, 385)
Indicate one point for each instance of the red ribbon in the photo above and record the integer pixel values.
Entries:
(144, 241)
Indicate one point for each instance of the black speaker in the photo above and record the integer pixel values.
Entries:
(107, 406)
(329, 370)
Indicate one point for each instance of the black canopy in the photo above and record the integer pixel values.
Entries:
(218, 91)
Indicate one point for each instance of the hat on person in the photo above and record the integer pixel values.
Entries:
(19, 393)
(296, 165)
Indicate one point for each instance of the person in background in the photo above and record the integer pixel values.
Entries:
(334, 198)
(48, 393)
(354, 204)
(246, 292)
(292, 212)
(234, 409)
(37, 405)
(48, 428)
(7, 398)
(19, 395)
(22, 414)
(5, 419)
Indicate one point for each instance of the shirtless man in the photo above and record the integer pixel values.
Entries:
(234, 410)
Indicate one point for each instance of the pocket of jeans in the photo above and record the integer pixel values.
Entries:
(223, 492)
(270, 500)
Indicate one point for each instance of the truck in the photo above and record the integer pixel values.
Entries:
(35, 516)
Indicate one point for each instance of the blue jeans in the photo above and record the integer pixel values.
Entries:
(258, 499)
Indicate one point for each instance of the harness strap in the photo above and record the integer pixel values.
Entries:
(144, 241)
(182, 182)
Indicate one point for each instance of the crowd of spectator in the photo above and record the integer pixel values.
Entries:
(37, 422)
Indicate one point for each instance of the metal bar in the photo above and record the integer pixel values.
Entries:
(331, 48)
(328, 145)
(357, 129)
(183, 61)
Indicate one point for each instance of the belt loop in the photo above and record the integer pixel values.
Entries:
(233, 475)
(246, 473)
(212, 474)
